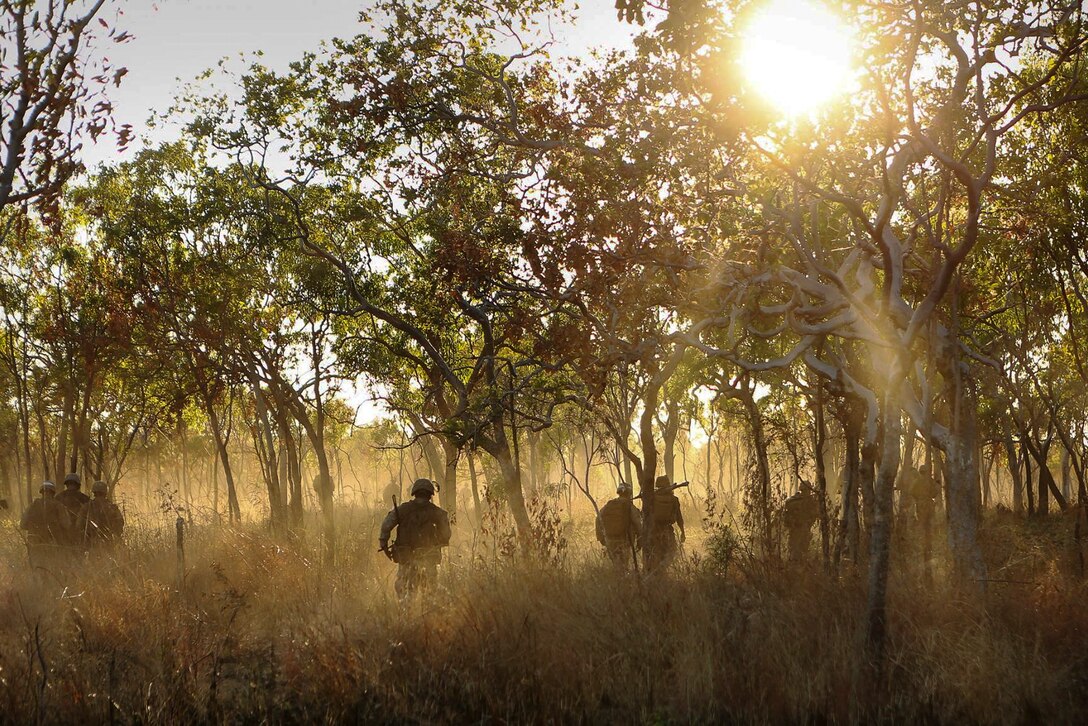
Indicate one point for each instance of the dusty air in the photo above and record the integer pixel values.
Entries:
(420, 361)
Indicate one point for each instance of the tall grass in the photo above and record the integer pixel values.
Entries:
(261, 631)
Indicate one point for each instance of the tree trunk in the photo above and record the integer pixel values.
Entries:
(498, 446)
(880, 538)
(264, 434)
(847, 539)
(186, 485)
(819, 437)
(449, 478)
(670, 433)
(647, 472)
(1067, 479)
(1014, 473)
(234, 510)
(762, 461)
(292, 468)
(475, 488)
(963, 498)
(67, 414)
(1029, 487)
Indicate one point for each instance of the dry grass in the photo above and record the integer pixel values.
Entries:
(263, 632)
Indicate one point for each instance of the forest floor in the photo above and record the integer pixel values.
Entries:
(261, 631)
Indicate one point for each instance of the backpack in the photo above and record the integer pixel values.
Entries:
(665, 507)
(418, 525)
(616, 518)
(800, 510)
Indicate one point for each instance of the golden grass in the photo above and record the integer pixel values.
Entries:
(262, 632)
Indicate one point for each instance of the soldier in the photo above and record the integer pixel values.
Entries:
(423, 529)
(619, 525)
(921, 491)
(799, 513)
(48, 528)
(71, 497)
(666, 513)
(100, 522)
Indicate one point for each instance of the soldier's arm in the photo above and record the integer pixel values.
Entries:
(680, 518)
(28, 515)
(444, 532)
(388, 524)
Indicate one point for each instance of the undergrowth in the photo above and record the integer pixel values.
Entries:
(261, 631)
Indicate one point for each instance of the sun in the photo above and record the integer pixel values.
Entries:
(796, 54)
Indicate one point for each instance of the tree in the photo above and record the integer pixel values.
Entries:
(52, 94)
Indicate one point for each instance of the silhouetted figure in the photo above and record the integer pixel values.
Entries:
(423, 529)
(799, 512)
(666, 514)
(48, 529)
(72, 498)
(391, 490)
(619, 528)
(100, 521)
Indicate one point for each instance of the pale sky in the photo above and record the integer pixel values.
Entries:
(175, 40)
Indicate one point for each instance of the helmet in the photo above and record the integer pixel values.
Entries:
(99, 487)
(72, 478)
(662, 482)
(623, 489)
(48, 486)
(423, 486)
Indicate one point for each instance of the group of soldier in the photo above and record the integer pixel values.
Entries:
(620, 527)
(423, 529)
(918, 490)
(58, 526)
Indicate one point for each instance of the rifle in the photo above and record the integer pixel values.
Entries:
(670, 488)
(390, 549)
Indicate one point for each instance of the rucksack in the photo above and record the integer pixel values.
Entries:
(418, 525)
(665, 506)
(616, 518)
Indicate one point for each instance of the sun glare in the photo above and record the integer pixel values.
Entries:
(796, 54)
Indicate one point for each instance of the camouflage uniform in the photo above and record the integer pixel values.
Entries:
(799, 513)
(666, 513)
(619, 527)
(423, 529)
(100, 521)
(73, 500)
(48, 527)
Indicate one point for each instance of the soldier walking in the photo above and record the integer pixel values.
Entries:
(100, 521)
(666, 515)
(48, 527)
(72, 498)
(799, 513)
(619, 526)
(423, 529)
